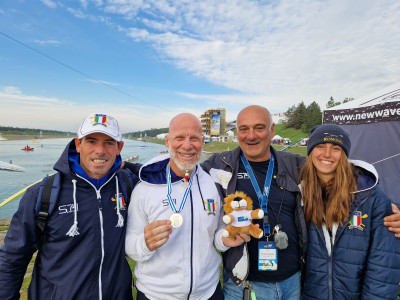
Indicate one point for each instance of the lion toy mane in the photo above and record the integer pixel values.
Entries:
(239, 213)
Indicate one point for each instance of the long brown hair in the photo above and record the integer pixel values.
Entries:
(330, 202)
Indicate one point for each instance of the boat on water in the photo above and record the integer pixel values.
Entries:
(27, 148)
(10, 167)
(163, 151)
(132, 158)
(35, 141)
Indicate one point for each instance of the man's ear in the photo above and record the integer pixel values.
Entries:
(78, 145)
(120, 146)
(167, 140)
(273, 130)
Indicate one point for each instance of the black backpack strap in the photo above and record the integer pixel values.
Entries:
(126, 184)
(45, 203)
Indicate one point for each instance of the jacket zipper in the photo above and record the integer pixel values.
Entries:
(333, 243)
(191, 247)
(98, 195)
(226, 191)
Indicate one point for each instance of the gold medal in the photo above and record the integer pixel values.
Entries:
(176, 220)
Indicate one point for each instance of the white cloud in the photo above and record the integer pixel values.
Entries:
(136, 34)
(12, 90)
(85, 3)
(41, 112)
(241, 100)
(49, 3)
(47, 42)
(102, 82)
(13, 97)
(282, 50)
(77, 13)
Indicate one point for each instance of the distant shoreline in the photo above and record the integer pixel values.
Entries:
(17, 137)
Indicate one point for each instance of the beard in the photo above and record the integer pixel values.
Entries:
(185, 165)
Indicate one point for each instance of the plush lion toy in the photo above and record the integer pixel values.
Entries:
(238, 208)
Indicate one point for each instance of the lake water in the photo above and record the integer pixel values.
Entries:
(39, 162)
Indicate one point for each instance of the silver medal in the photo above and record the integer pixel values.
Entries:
(280, 239)
(176, 220)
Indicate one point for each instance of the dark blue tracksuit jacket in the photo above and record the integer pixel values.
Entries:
(91, 265)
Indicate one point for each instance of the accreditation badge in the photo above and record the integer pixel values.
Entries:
(267, 256)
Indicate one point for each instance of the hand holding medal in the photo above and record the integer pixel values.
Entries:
(176, 218)
(157, 234)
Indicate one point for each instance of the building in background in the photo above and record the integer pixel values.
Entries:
(279, 118)
(161, 136)
(213, 122)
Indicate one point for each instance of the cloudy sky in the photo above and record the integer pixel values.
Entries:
(143, 61)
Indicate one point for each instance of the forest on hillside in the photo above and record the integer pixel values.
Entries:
(306, 117)
(7, 130)
(153, 132)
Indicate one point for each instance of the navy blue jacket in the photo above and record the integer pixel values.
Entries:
(365, 257)
(91, 265)
(223, 168)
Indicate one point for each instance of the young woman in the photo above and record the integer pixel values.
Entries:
(351, 254)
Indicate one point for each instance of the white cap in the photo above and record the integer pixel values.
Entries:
(101, 123)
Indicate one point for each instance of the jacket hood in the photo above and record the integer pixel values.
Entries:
(62, 165)
(69, 162)
(154, 171)
(368, 177)
(366, 180)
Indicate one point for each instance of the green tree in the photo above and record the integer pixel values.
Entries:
(290, 115)
(347, 100)
(300, 115)
(296, 116)
(313, 117)
(332, 103)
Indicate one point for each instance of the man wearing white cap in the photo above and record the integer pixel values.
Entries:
(82, 250)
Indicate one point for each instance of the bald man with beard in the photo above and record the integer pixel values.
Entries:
(174, 221)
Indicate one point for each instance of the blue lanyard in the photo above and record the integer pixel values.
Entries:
(171, 202)
(262, 196)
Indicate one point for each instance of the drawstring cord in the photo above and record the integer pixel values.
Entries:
(120, 217)
(73, 231)
(74, 228)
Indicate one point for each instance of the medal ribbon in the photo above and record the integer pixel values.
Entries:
(262, 196)
(185, 195)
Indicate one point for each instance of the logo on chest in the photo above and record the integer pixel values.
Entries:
(356, 221)
(165, 202)
(210, 206)
(121, 201)
(67, 209)
(243, 176)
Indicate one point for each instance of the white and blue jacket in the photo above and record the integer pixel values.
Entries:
(187, 266)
